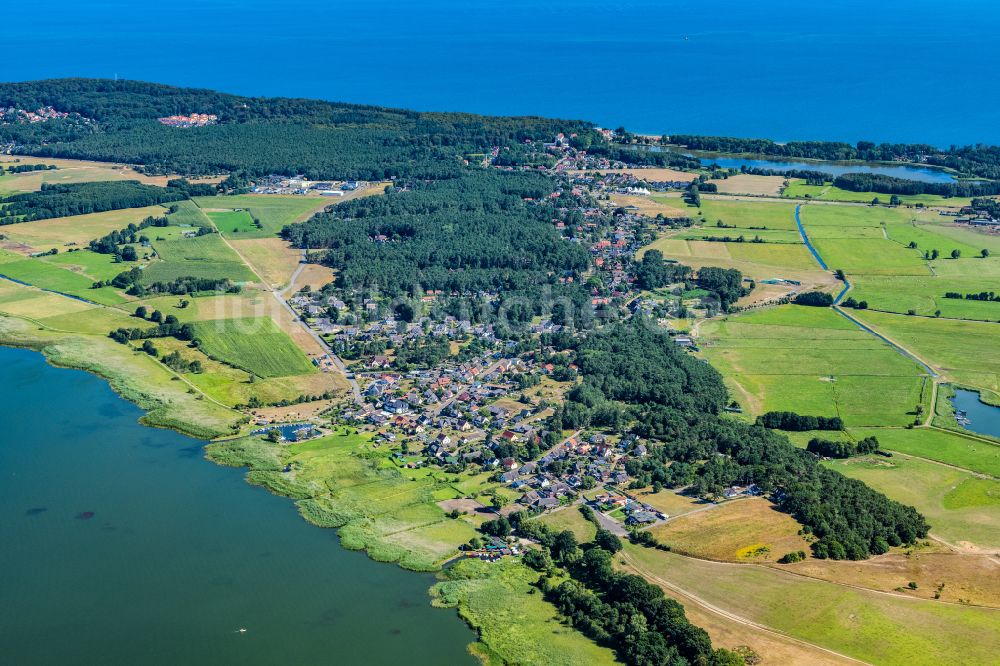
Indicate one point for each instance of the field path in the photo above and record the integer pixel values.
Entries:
(279, 295)
(732, 617)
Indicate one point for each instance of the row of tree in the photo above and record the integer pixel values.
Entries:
(83, 198)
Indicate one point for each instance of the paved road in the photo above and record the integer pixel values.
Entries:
(337, 362)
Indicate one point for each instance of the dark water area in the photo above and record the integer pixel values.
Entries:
(120, 544)
(834, 169)
(897, 70)
(982, 418)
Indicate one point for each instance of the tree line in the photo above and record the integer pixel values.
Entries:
(84, 198)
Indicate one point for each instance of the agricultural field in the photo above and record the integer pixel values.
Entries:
(870, 626)
(233, 215)
(68, 171)
(255, 345)
(955, 577)
(188, 215)
(743, 530)
(749, 214)
(748, 184)
(205, 256)
(272, 258)
(813, 361)
(960, 507)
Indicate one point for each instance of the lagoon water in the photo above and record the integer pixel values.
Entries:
(983, 418)
(922, 174)
(895, 70)
(119, 544)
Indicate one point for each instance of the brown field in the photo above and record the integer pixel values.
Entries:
(653, 207)
(747, 184)
(77, 230)
(730, 633)
(789, 261)
(647, 174)
(315, 276)
(744, 530)
(273, 259)
(967, 578)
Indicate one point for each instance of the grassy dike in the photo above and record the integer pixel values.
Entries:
(344, 481)
(136, 377)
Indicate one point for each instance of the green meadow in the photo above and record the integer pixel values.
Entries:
(205, 256)
(813, 361)
(965, 351)
(516, 625)
(255, 345)
(273, 211)
(50, 275)
(951, 448)
(798, 189)
(188, 215)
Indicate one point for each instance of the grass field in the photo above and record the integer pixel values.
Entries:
(964, 351)
(54, 277)
(274, 212)
(747, 184)
(748, 214)
(956, 577)
(78, 230)
(205, 256)
(256, 345)
(873, 627)
(813, 361)
(188, 215)
(232, 221)
(516, 625)
(961, 508)
(745, 530)
(571, 519)
(951, 448)
(272, 258)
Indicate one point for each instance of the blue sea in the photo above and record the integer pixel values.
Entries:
(892, 70)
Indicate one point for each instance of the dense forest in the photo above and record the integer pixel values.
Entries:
(634, 374)
(84, 198)
(486, 231)
(117, 122)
